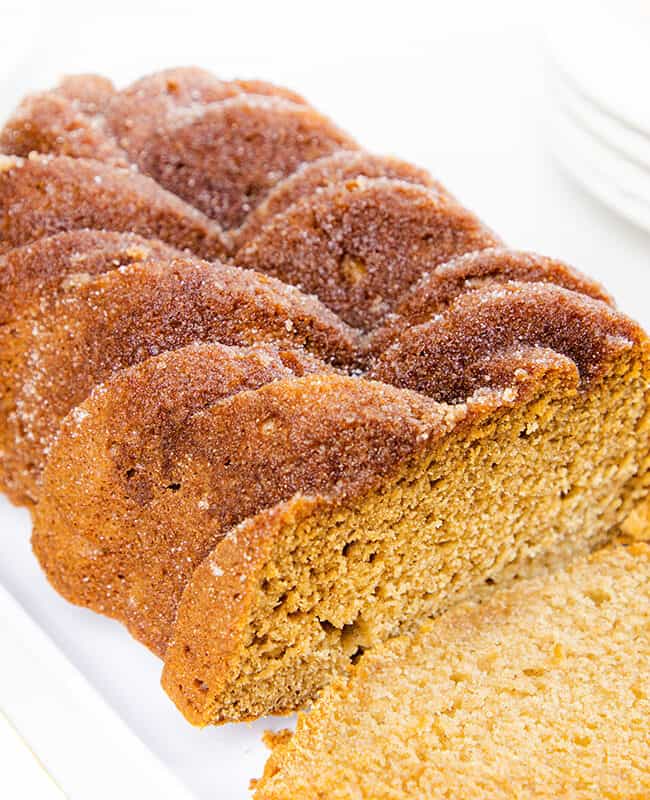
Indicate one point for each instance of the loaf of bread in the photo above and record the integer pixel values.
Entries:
(543, 691)
(368, 410)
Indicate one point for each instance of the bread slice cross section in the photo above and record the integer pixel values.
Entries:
(541, 691)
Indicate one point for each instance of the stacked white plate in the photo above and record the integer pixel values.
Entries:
(599, 54)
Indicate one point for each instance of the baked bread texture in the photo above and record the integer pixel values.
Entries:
(273, 400)
(542, 691)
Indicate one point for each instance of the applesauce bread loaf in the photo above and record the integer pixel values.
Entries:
(542, 691)
(258, 490)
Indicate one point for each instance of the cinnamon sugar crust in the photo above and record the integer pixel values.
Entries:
(135, 113)
(261, 140)
(134, 422)
(52, 123)
(358, 245)
(439, 357)
(315, 175)
(34, 273)
(92, 93)
(436, 290)
(44, 195)
(265, 132)
(125, 316)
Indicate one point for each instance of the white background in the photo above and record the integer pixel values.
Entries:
(456, 87)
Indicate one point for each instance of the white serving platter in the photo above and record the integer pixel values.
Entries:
(42, 697)
(602, 126)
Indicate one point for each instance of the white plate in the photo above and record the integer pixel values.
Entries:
(62, 734)
(23, 772)
(615, 134)
(603, 46)
(618, 182)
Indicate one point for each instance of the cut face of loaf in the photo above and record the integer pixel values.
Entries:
(370, 507)
(84, 334)
(543, 691)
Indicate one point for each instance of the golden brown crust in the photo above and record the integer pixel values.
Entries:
(51, 123)
(358, 245)
(135, 112)
(436, 290)
(287, 433)
(261, 140)
(92, 93)
(123, 317)
(315, 175)
(442, 357)
(44, 195)
(311, 433)
(123, 443)
(37, 271)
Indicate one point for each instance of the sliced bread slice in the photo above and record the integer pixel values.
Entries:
(541, 691)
